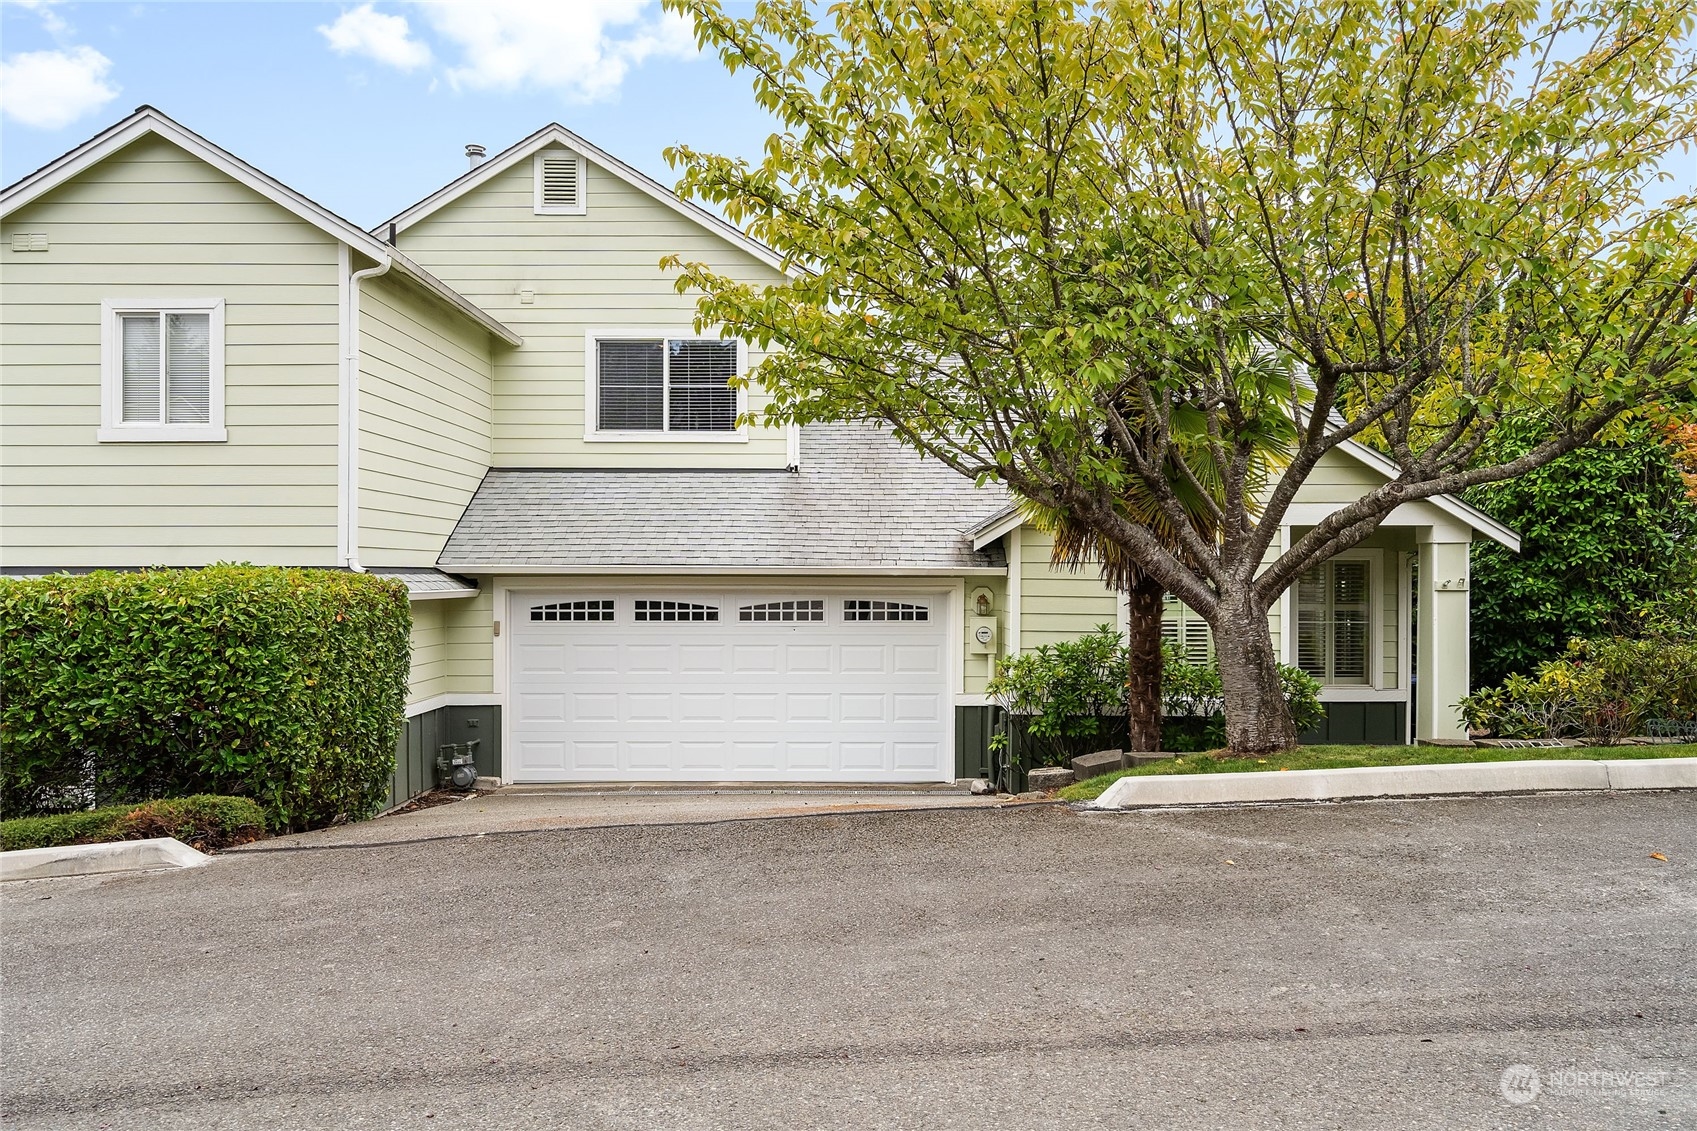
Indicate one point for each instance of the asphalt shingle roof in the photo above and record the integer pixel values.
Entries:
(859, 500)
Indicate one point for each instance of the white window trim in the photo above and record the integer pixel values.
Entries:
(592, 389)
(1346, 692)
(113, 428)
(582, 206)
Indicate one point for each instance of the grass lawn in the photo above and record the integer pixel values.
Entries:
(1344, 757)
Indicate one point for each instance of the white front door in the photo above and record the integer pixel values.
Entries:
(722, 685)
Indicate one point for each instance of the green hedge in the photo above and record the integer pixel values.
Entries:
(205, 822)
(284, 685)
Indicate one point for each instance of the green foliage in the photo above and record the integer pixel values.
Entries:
(284, 685)
(1604, 534)
(204, 821)
(1601, 690)
(1060, 694)
(1081, 248)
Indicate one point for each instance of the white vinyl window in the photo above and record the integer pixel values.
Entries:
(663, 387)
(560, 176)
(1334, 615)
(1188, 631)
(162, 370)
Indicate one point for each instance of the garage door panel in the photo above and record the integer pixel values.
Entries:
(595, 707)
(703, 707)
(864, 659)
(754, 660)
(808, 659)
(807, 708)
(648, 707)
(590, 659)
(701, 659)
(818, 696)
(649, 756)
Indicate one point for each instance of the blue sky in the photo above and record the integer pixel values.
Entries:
(373, 111)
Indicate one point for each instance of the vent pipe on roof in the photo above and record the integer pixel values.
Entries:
(474, 153)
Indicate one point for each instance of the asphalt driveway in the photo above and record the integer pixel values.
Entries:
(1359, 966)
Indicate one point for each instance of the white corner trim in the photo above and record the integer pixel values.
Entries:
(453, 699)
(113, 429)
(344, 501)
(1016, 611)
(539, 206)
(592, 388)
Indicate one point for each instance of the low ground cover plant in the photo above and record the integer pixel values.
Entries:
(206, 822)
(286, 686)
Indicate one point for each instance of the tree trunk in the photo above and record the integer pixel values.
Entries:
(1257, 718)
(1143, 668)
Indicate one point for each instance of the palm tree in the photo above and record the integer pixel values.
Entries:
(1076, 546)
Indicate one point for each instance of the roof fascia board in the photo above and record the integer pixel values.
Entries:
(997, 526)
(147, 121)
(532, 570)
(555, 134)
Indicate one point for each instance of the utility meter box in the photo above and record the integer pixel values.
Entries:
(981, 635)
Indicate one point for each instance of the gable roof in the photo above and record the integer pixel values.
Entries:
(147, 121)
(556, 134)
(1470, 516)
(860, 503)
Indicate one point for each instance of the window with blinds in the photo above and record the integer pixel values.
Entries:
(163, 372)
(559, 183)
(665, 385)
(1333, 622)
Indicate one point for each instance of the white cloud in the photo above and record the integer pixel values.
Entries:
(51, 89)
(583, 48)
(51, 22)
(385, 38)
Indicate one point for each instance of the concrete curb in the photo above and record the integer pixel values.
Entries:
(1563, 775)
(97, 859)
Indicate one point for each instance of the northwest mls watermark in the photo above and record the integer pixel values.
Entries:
(1522, 1083)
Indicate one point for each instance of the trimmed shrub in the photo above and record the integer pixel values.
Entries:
(1058, 695)
(205, 822)
(1601, 691)
(284, 685)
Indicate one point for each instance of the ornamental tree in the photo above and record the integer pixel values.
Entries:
(1073, 248)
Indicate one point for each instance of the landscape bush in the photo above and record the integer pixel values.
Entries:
(283, 685)
(206, 822)
(1062, 698)
(1601, 690)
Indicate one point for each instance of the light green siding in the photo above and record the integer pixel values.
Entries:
(424, 422)
(453, 647)
(979, 668)
(1057, 603)
(1339, 479)
(595, 271)
(154, 222)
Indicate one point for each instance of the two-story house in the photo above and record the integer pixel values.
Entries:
(499, 398)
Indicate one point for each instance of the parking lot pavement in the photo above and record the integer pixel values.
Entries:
(1372, 965)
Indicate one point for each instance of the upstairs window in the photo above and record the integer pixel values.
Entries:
(559, 183)
(665, 385)
(1333, 617)
(162, 373)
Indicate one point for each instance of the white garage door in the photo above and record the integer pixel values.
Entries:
(728, 686)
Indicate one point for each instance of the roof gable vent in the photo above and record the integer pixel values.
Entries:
(559, 182)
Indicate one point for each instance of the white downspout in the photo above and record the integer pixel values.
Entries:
(350, 418)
